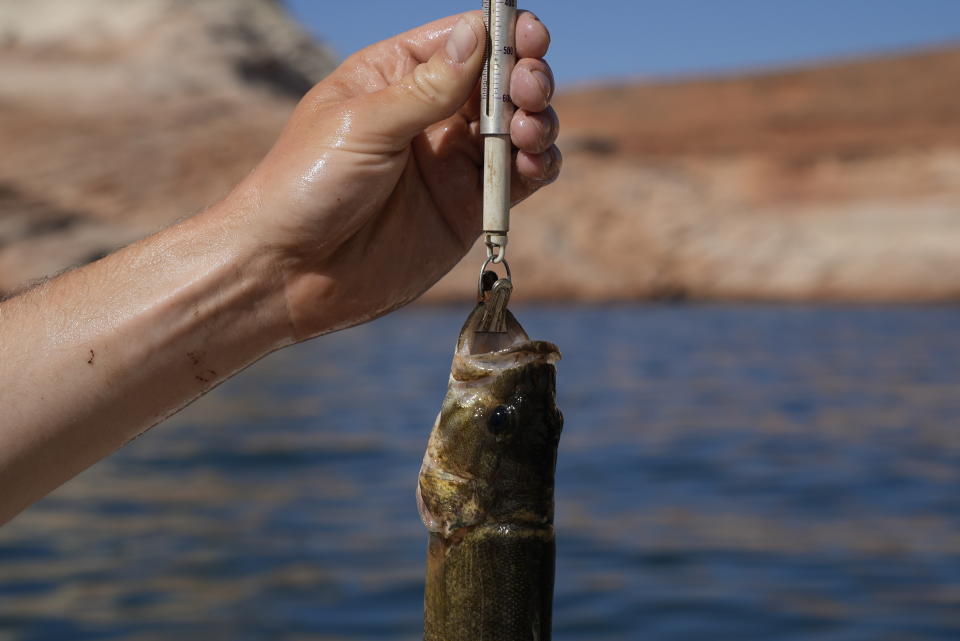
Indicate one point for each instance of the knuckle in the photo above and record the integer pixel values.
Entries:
(425, 85)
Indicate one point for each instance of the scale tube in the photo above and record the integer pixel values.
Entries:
(496, 112)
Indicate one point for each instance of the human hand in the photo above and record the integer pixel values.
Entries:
(373, 190)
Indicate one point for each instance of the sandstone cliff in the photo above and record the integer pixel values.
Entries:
(840, 182)
(117, 117)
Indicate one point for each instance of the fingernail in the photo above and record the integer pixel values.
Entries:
(462, 41)
(551, 159)
(554, 163)
(544, 81)
(546, 130)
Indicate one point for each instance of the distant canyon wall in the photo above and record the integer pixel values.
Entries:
(117, 117)
(834, 183)
(839, 182)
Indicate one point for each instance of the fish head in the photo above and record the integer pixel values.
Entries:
(492, 452)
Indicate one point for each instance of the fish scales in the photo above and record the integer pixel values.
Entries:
(485, 490)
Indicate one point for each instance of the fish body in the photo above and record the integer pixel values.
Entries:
(485, 490)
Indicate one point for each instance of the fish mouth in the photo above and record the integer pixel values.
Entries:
(474, 341)
(481, 353)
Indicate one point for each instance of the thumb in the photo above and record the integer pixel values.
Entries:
(435, 89)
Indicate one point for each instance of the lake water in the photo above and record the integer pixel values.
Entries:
(726, 472)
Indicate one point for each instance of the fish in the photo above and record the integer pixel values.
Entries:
(486, 489)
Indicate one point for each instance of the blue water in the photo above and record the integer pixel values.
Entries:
(726, 472)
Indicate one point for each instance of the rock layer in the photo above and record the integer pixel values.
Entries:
(117, 118)
(838, 182)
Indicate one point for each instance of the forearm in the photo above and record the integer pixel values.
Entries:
(97, 356)
(369, 196)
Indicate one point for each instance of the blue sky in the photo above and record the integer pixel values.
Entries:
(608, 39)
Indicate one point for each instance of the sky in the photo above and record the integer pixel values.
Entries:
(604, 40)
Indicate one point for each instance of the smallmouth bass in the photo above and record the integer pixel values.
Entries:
(485, 490)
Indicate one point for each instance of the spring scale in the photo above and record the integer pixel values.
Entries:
(496, 113)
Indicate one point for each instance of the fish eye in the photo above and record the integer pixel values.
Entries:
(501, 419)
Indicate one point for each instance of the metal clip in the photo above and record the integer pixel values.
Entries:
(481, 289)
(495, 307)
(495, 242)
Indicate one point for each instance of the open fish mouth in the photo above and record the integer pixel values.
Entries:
(480, 354)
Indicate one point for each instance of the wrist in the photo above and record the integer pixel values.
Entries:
(244, 284)
(278, 247)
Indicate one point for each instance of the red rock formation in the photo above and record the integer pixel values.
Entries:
(117, 118)
(840, 182)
